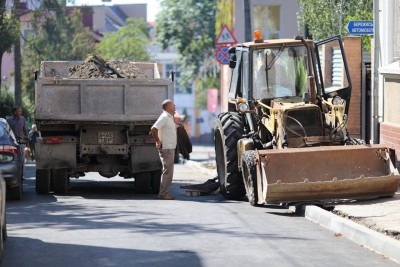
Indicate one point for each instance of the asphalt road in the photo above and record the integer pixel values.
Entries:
(104, 222)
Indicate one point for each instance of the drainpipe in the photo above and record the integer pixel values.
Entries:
(375, 80)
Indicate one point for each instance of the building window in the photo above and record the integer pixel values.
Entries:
(178, 88)
(267, 18)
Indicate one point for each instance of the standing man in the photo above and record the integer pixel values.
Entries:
(33, 134)
(17, 123)
(164, 132)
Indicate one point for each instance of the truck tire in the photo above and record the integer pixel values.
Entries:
(249, 173)
(143, 182)
(61, 181)
(155, 181)
(42, 181)
(229, 129)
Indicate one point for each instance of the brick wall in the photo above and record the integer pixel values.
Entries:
(352, 47)
(390, 127)
(390, 136)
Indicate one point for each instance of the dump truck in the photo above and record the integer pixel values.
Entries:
(284, 138)
(97, 123)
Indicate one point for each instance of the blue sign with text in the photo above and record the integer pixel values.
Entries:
(361, 27)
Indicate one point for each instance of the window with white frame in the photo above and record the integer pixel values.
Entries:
(267, 18)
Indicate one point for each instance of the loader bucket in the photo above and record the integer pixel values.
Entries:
(327, 173)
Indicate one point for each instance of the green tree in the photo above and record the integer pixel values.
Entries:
(325, 18)
(189, 26)
(56, 35)
(6, 103)
(9, 32)
(128, 43)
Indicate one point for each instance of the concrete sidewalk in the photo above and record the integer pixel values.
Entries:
(374, 224)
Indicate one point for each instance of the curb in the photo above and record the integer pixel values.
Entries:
(357, 233)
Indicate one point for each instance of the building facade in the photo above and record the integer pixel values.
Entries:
(386, 108)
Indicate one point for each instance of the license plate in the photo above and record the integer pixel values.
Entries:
(105, 137)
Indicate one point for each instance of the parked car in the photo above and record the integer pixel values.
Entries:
(3, 222)
(11, 161)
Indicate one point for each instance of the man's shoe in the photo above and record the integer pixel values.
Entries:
(166, 197)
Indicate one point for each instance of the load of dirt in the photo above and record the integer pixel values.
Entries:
(96, 67)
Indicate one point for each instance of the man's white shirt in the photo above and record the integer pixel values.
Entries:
(166, 130)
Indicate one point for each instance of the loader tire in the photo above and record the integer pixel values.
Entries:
(229, 129)
(249, 173)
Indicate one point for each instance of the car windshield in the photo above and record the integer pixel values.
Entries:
(279, 72)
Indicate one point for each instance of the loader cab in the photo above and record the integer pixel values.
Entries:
(280, 71)
(240, 85)
(333, 71)
(270, 70)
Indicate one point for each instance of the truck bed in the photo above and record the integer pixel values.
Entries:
(100, 100)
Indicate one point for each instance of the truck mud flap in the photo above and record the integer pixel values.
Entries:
(326, 173)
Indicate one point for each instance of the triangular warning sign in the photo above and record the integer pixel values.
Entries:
(225, 37)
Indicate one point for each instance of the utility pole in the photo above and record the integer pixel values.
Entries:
(247, 21)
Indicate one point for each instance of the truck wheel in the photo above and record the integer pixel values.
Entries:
(249, 173)
(155, 181)
(229, 129)
(42, 181)
(143, 182)
(61, 181)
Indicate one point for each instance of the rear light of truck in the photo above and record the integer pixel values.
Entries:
(52, 140)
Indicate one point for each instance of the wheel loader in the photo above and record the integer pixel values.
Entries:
(284, 139)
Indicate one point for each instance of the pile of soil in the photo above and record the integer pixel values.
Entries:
(97, 67)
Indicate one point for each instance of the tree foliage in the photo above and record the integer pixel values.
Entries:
(224, 15)
(9, 31)
(6, 103)
(325, 18)
(128, 43)
(56, 35)
(189, 26)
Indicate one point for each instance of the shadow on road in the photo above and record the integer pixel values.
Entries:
(20, 251)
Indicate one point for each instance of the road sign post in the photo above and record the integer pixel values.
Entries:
(361, 27)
